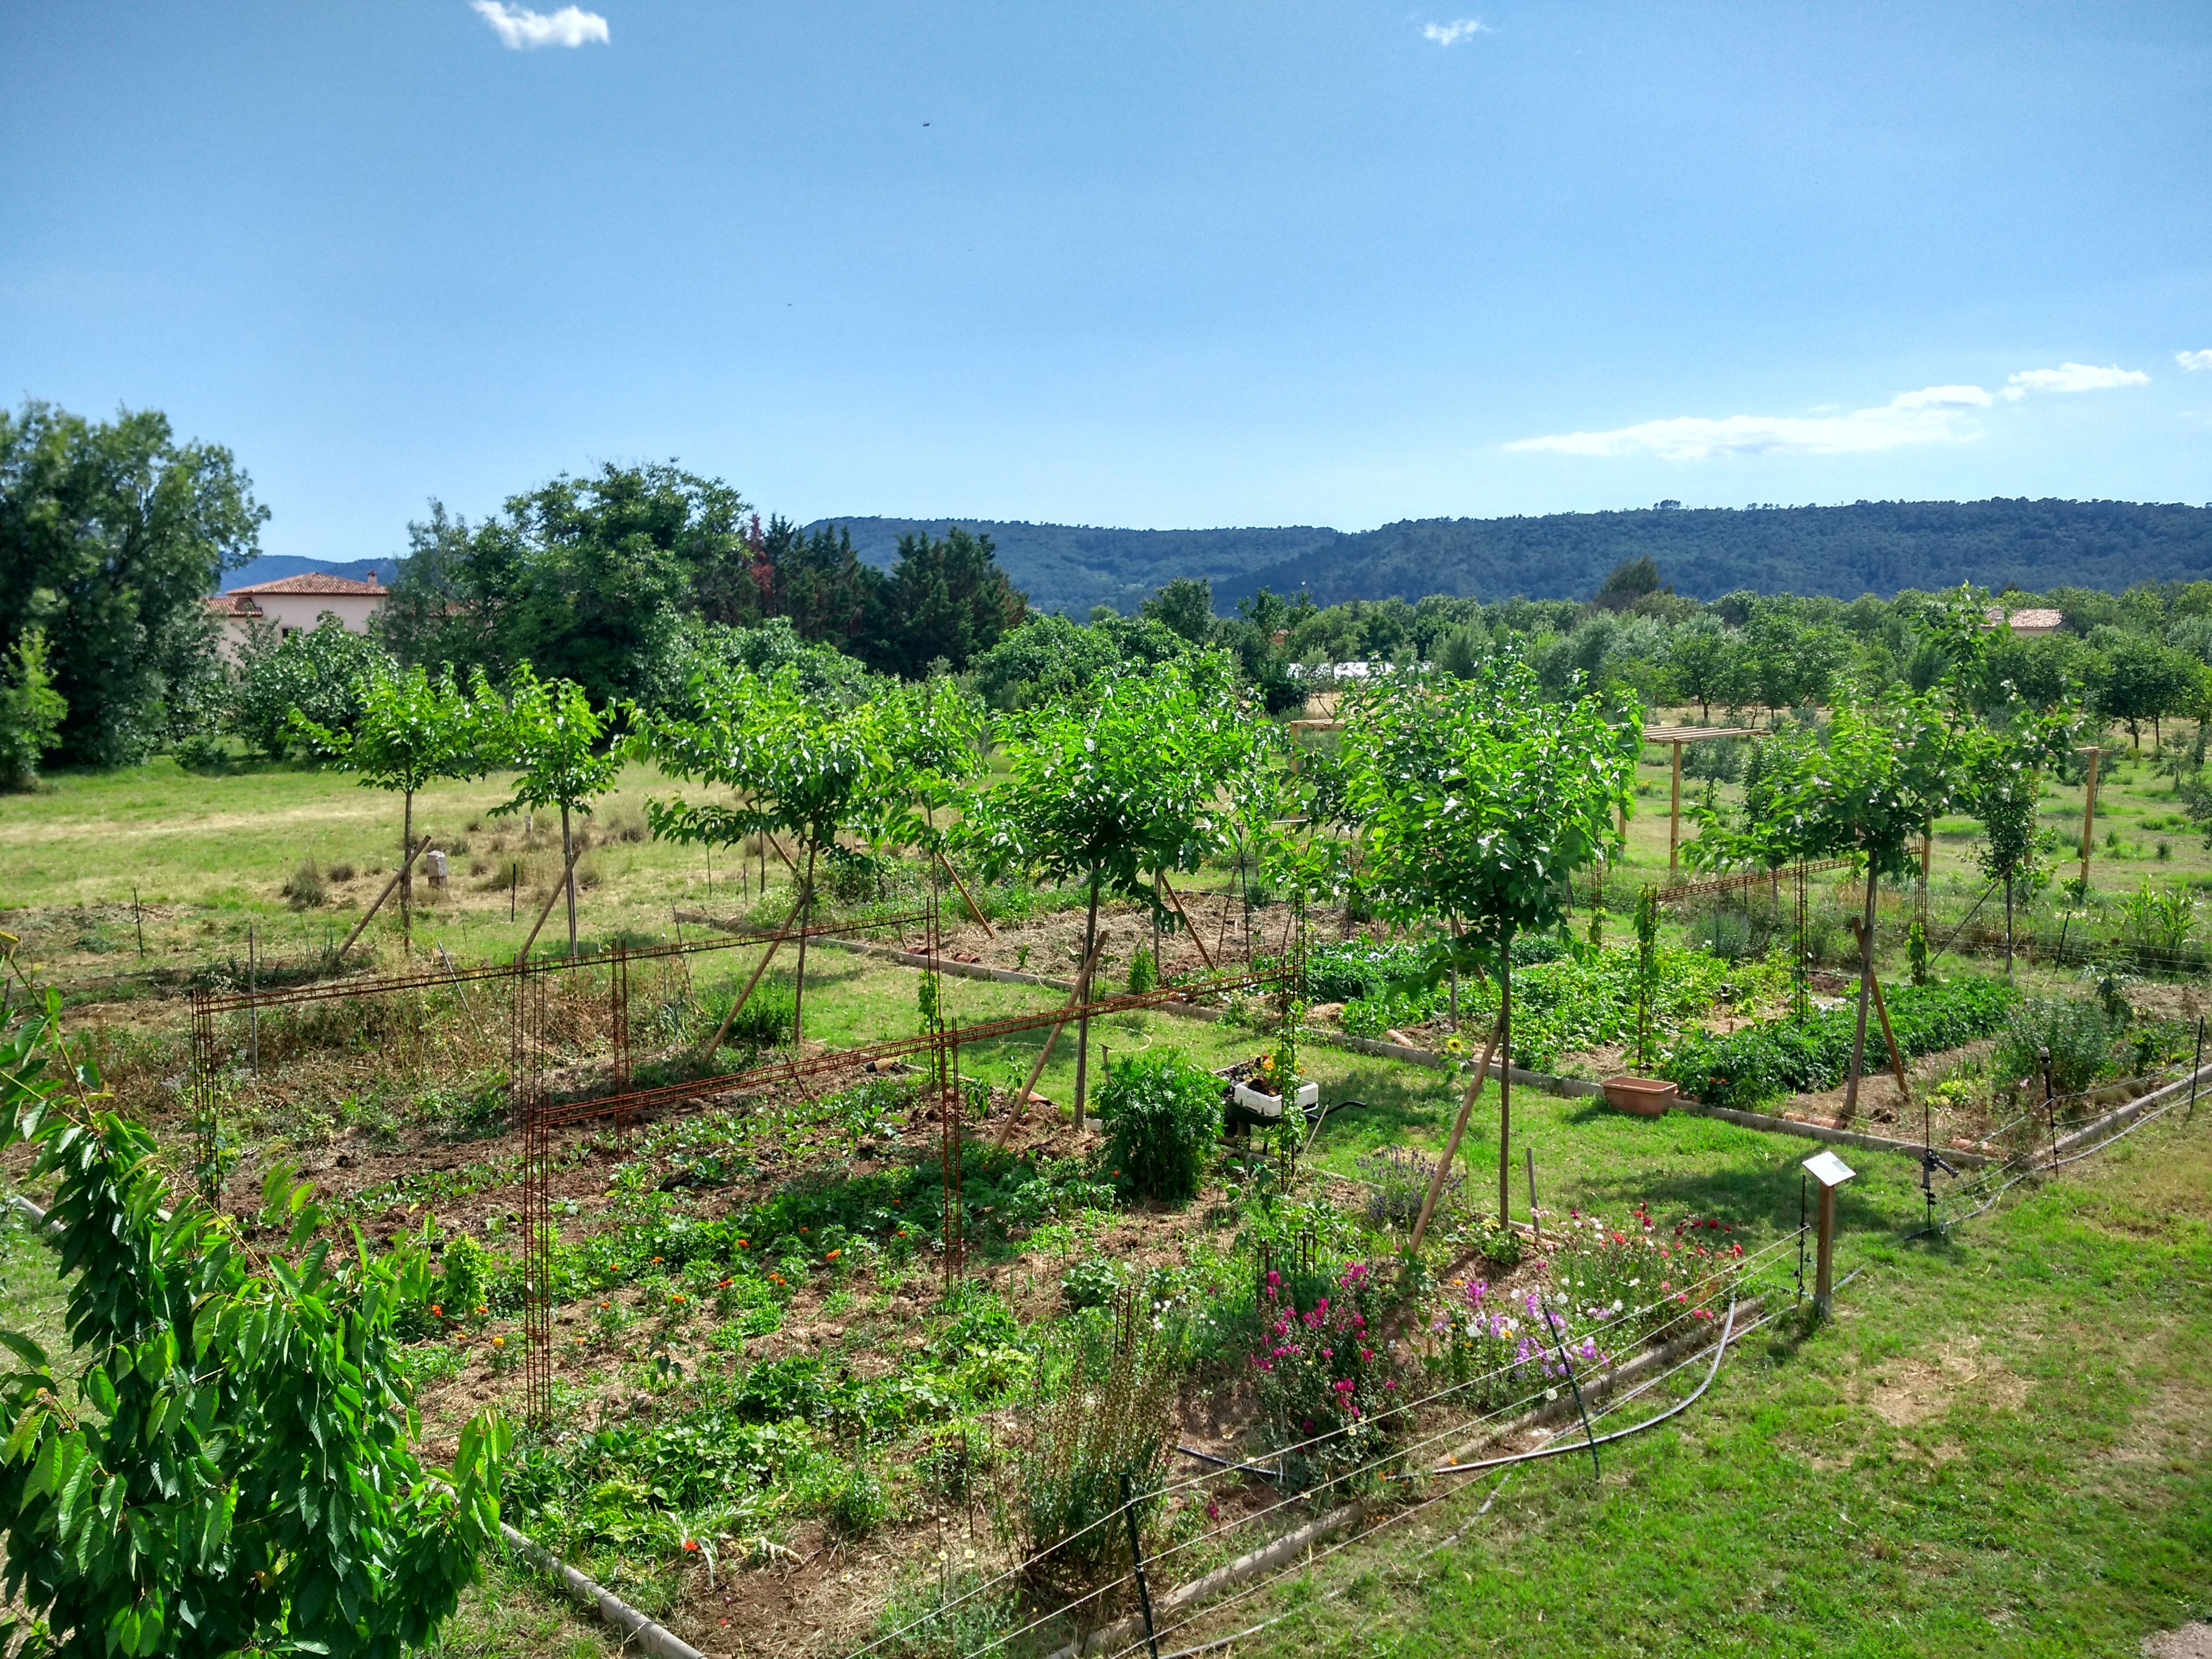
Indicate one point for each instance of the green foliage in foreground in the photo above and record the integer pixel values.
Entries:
(1763, 1062)
(231, 1470)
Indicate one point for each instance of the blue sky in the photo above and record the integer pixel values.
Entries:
(1136, 265)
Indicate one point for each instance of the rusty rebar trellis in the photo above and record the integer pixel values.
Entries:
(526, 1075)
(206, 1148)
(954, 1134)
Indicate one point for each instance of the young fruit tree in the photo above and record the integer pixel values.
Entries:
(1479, 800)
(560, 747)
(413, 730)
(2004, 782)
(805, 766)
(1864, 788)
(223, 1463)
(1107, 789)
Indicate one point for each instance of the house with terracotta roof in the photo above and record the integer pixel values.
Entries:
(2027, 624)
(294, 603)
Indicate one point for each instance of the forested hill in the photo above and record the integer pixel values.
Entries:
(1875, 547)
(1071, 567)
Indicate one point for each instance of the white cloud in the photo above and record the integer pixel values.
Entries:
(2194, 359)
(2073, 377)
(1935, 414)
(1450, 35)
(521, 29)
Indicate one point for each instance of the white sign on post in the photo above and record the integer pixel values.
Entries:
(1829, 1169)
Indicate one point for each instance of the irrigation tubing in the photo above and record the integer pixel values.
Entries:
(1743, 1268)
(1449, 1432)
(1556, 1444)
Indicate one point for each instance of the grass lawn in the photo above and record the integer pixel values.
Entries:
(1997, 1446)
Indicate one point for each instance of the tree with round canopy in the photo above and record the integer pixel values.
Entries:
(1110, 788)
(806, 767)
(1479, 800)
(561, 748)
(414, 729)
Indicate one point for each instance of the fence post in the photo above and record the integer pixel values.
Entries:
(1137, 1558)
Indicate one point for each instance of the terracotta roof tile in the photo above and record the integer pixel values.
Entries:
(315, 582)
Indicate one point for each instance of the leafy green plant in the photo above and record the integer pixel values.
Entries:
(235, 1472)
(1162, 1113)
(31, 710)
(1759, 1063)
(558, 744)
(2077, 1030)
(1093, 1282)
(859, 1505)
(937, 1612)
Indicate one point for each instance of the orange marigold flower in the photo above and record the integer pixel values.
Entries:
(833, 1256)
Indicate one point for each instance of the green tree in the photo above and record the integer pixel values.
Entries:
(111, 534)
(1706, 662)
(317, 671)
(1480, 798)
(225, 1463)
(1110, 788)
(1186, 606)
(947, 599)
(1865, 788)
(413, 730)
(1628, 582)
(587, 579)
(1787, 663)
(562, 749)
(31, 710)
(2140, 679)
(805, 768)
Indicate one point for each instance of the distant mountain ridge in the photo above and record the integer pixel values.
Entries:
(275, 566)
(1875, 547)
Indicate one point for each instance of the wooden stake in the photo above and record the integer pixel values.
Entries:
(1078, 994)
(1896, 1059)
(973, 908)
(1675, 817)
(560, 887)
(723, 1029)
(2089, 819)
(1459, 1128)
(421, 846)
(1187, 926)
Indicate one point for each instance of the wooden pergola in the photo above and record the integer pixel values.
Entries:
(1675, 737)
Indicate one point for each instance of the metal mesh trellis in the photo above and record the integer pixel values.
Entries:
(527, 1073)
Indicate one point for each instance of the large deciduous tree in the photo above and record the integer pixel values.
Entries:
(111, 534)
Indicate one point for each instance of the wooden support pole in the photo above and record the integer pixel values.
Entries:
(1459, 1128)
(1206, 954)
(973, 908)
(421, 846)
(567, 869)
(2090, 818)
(1078, 996)
(1674, 818)
(1823, 1272)
(1896, 1058)
(723, 1029)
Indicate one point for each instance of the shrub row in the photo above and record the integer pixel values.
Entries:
(1777, 1058)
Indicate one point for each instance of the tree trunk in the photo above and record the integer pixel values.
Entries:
(798, 983)
(568, 864)
(1505, 1083)
(2008, 924)
(1866, 977)
(407, 874)
(1082, 989)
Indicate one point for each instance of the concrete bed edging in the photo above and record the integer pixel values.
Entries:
(1549, 1083)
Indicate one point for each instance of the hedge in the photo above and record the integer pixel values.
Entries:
(1777, 1058)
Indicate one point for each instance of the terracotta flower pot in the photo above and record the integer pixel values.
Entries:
(1645, 1096)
